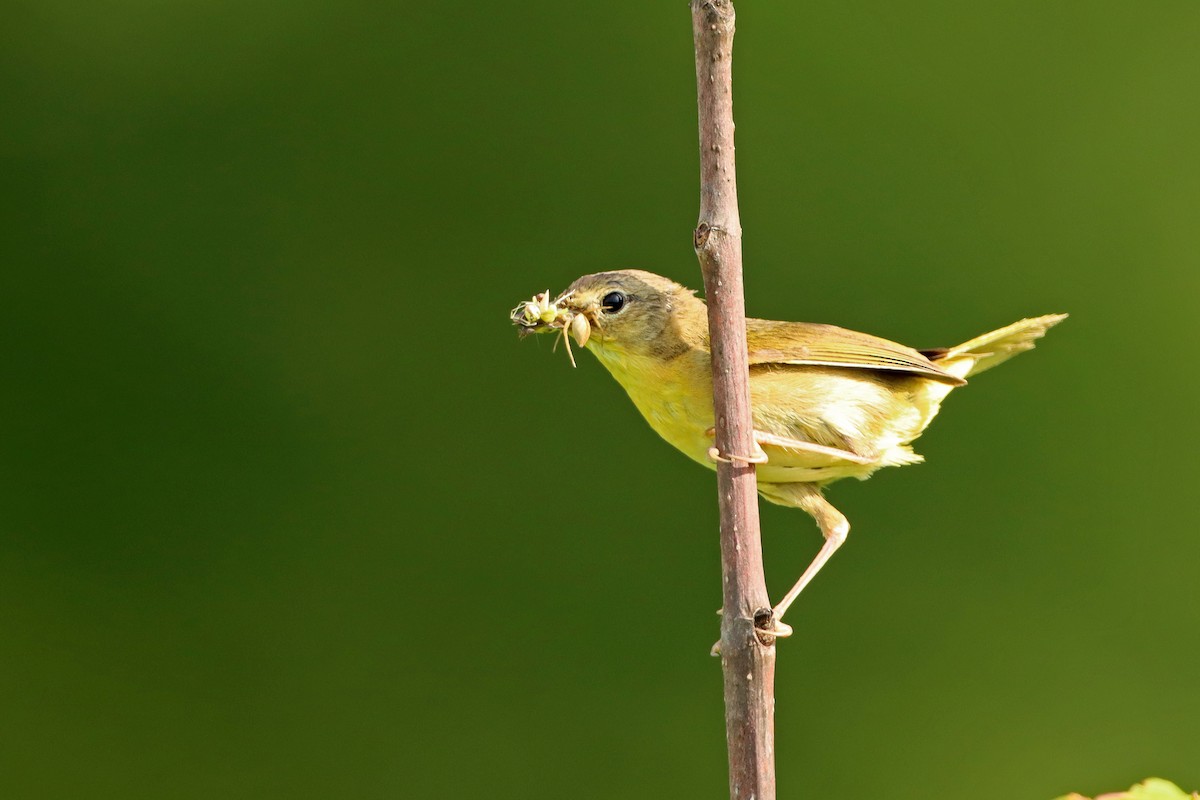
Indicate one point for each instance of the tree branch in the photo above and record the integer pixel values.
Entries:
(747, 656)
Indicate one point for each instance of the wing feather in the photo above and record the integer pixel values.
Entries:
(807, 343)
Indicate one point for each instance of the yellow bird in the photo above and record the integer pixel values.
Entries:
(827, 403)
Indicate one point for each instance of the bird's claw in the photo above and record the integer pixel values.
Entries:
(758, 458)
(779, 630)
(771, 627)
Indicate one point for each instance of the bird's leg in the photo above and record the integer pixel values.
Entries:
(834, 527)
(786, 443)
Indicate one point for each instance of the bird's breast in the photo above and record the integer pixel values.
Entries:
(674, 396)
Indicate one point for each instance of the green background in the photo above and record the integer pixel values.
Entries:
(287, 510)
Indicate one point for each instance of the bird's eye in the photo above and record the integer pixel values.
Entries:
(613, 302)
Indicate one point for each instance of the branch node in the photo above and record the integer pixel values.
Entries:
(764, 625)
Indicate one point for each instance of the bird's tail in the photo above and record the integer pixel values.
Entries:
(986, 351)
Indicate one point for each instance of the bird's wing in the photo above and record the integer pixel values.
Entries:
(808, 343)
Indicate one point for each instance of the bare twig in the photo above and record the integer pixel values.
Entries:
(747, 656)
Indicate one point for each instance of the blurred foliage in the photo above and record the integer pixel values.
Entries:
(286, 510)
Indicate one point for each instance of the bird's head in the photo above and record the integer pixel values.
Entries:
(620, 314)
(630, 309)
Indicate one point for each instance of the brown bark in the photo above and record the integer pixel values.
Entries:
(747, 656)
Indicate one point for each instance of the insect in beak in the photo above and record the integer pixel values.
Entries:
(541, 314)
(581, 329)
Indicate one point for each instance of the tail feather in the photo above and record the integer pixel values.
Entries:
(986, 351)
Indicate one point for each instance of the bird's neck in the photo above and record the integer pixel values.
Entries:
(672, 358)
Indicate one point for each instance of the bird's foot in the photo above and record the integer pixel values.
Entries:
(714, 453)
(765, 625)
(777, 629)
(733, 458)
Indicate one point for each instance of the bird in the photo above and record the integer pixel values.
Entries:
(827, 403)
